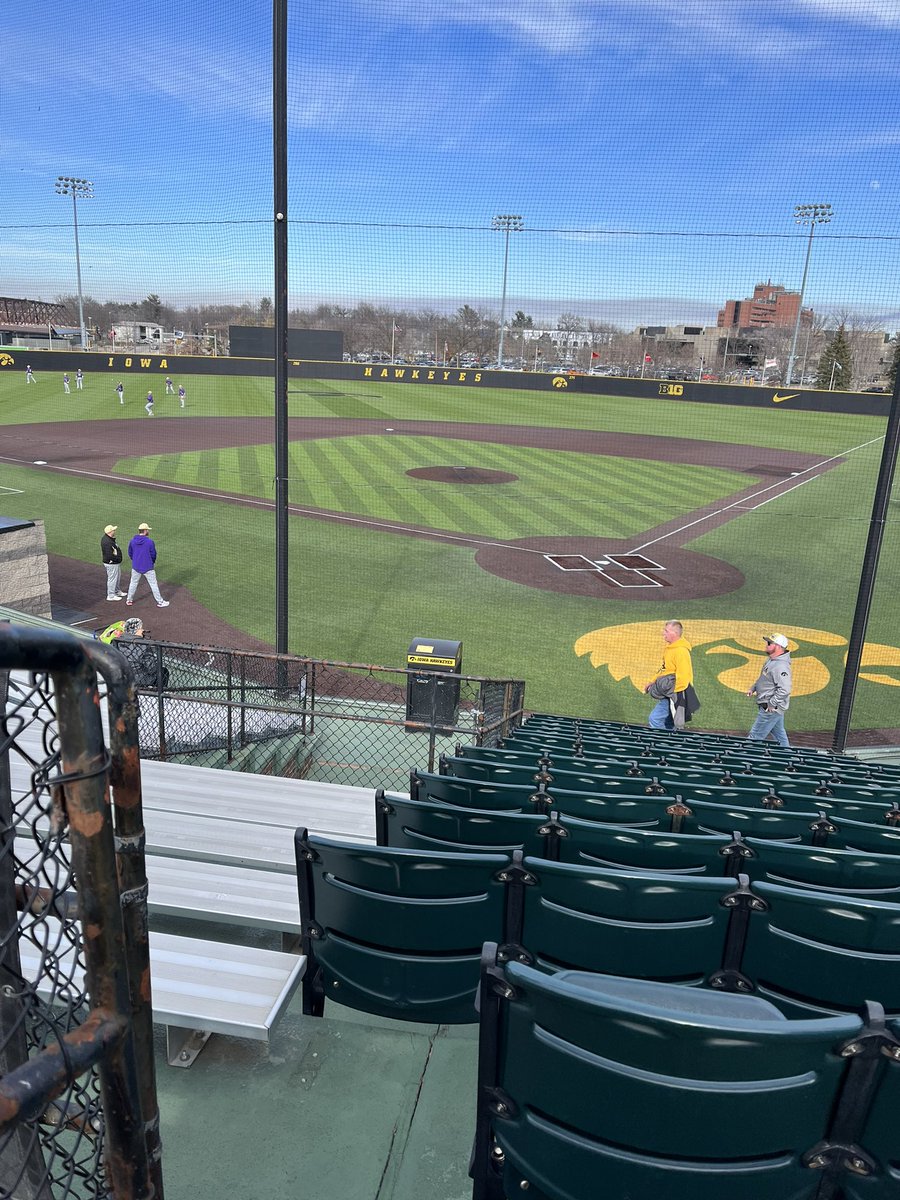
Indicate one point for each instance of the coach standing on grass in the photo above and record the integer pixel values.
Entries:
(773, 692)
(142, 552)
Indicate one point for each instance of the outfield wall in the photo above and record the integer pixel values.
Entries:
(870, 404)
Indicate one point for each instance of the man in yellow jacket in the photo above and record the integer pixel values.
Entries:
(675, 674)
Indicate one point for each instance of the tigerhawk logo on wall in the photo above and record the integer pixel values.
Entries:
(635, 652)
(7, 360)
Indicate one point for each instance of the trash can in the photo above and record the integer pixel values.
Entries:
(432, 683)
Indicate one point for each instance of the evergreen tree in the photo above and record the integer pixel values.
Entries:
(836, 363)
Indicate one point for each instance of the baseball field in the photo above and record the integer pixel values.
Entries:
(552, 533)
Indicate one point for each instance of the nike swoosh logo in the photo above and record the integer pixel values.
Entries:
(776, 399)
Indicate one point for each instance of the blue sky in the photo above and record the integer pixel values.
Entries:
(656, 149)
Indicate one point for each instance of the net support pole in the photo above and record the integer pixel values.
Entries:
(880, 508)
(280, 310)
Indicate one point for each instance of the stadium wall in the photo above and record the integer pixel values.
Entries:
(860, 403)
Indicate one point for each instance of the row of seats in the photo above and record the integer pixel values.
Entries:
(399, 932)
(704, 785)
(679, 767)
(602, 1071)
(590, 1085)
(538, 735)
(423, 825)
(666, 812)
(588, 732)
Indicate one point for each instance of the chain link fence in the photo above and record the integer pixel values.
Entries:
(78, 1111)
(297, 717)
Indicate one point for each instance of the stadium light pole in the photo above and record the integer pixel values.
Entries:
(509, 223)
(811, 215)
(66, 185)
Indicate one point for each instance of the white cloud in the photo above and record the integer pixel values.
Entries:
(860, 12)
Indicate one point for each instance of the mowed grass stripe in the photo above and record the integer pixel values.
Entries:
(312, 472)
(353, 468)
(401, 497)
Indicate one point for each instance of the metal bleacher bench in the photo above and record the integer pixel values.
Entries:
(201, 988)
(219, 848)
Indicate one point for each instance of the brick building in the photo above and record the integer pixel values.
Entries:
(770, 304)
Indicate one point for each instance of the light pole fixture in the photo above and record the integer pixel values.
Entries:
(811, 215)
(509, 223)
(66, 185)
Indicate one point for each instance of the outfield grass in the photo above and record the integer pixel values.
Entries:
(361, 595)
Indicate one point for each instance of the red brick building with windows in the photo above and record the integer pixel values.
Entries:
(770, 304)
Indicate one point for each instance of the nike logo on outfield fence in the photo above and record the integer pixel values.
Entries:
(776, 399)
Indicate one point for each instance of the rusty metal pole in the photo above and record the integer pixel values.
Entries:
(130, 840)
(84, 780)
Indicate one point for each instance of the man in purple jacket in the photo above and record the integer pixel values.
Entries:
(142, 552)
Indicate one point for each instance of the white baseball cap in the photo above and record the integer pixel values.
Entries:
(110, 529)
(776, 639)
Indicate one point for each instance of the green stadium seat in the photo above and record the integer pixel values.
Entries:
(850, 872)
(591, 1087)
(393, 932)
(637, 924)
(422, 825)
(815, 954)
(591, 844)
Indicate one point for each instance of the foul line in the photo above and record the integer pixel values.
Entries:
(295, 509)
(742, 504)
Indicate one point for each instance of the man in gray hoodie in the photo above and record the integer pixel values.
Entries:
(773, 692)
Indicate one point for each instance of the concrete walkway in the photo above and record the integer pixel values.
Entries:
(347, 1107)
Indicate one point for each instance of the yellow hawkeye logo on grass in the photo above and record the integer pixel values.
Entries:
(776, 399)
(633, 652)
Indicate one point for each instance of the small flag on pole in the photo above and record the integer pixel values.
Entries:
(594, 354)
(648, 358)
(771, 362)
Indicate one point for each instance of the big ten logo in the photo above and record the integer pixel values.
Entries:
(671, 389)
(634, 652)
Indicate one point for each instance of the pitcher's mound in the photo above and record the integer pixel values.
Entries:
(462, 475)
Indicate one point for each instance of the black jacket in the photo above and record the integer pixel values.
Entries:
(110, 550)
(142, 657)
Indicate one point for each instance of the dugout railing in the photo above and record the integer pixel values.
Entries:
(337, 721)
(78, 1108)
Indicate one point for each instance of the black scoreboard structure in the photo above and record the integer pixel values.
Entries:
(258, 341)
